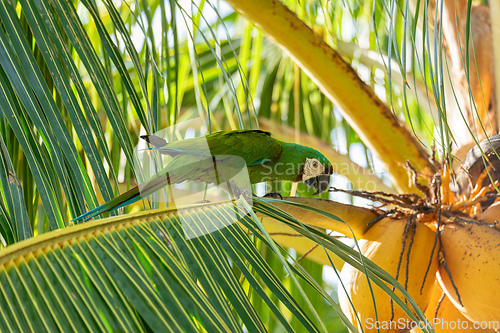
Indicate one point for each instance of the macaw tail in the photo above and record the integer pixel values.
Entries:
(133, 195)
(122, 200)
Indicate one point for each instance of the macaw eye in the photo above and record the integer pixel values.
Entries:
(315, 164)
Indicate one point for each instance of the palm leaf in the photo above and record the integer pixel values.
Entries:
(14, 219)
(141, 272)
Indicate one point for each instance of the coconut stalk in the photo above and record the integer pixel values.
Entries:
(356, 222)
(355, 219)
(305, 247)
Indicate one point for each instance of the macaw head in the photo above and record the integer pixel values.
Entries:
(316, 172)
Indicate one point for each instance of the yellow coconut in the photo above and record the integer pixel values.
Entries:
(472, 254)
(382, 244)
(447, 318)
(491, 214)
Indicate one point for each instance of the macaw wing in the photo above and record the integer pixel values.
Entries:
(254, 146)
(216, 158)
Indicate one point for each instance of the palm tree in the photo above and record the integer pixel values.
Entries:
(393, 93)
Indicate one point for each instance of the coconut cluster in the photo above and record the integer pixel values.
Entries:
(444, 250)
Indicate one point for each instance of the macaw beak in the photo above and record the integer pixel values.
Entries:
(321, 182)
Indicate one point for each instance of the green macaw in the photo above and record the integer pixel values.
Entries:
(226, 153)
